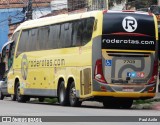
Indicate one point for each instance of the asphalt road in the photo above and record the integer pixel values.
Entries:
(11, 108)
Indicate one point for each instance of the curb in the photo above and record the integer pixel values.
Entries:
(148, 104)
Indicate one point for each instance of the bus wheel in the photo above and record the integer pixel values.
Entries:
(13, 97)
(41, 99)
(111, 104)
(19, 97)
(74, 101)
(1, 96)
(126, 104)
(62, 98)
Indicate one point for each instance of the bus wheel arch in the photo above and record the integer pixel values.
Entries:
(19, 97)
(73, 99)
(13, 96)
(62, 93)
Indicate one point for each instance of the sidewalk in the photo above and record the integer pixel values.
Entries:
(157, 95)
(153, 103)
(156, 105)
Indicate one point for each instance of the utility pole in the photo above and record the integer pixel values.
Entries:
(29, 10)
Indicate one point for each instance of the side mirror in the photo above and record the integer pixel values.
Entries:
(2, 70)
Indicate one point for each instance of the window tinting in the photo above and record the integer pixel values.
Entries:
(32, 46)
(54, 36)
(23, 41)
(43, 34)
(15, 36)
(12, 46)
(68, 34)
(65, 35)
(87, 29)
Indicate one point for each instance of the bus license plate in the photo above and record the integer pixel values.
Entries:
(128, 90)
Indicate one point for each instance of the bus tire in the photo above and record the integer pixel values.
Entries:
(41, 99)
(111, 104)
(19, 97)
(126, 104)
(13, 97)
(74, 101)
(1, 96)
(62, 96)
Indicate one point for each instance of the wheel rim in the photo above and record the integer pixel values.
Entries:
(18, 92)
(72, 95)
(61, 95)
(12, 96)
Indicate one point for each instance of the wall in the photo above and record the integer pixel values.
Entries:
(15, 15)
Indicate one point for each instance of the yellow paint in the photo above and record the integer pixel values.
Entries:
(123, 94)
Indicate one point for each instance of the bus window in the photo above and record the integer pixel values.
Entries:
(68, 35)
(79, 33)
(32, 40)
(87, 29)
(53, 36)
(65, 35)
(43, 33)
(75, 39)
(61, 44)
(23, 41)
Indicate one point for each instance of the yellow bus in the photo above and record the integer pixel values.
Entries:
(105, 56)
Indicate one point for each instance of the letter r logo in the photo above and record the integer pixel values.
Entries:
(129, 24)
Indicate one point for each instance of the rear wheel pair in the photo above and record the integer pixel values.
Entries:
(68, 96)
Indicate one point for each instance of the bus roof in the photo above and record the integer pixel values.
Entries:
(66, 17)
(54, 19)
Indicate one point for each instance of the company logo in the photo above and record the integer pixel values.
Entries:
(24, 67)
(136, 74)
(129, 24)
(140, 74)
(131, 74)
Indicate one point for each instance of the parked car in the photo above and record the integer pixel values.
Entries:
(3, 89)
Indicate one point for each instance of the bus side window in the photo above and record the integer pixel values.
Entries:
(26, 41)
(61, 44)
(74, 33)
(87, 30)
(43, 34)
(79, 33)
(53, 36)
(68, 34)
(32, 40)
(22, 42)
(11, 49)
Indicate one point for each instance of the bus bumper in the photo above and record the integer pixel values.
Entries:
(124, 90)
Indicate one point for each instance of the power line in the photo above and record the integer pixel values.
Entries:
(38, 7)
(29, 10)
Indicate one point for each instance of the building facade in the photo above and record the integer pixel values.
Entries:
(13, 12)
